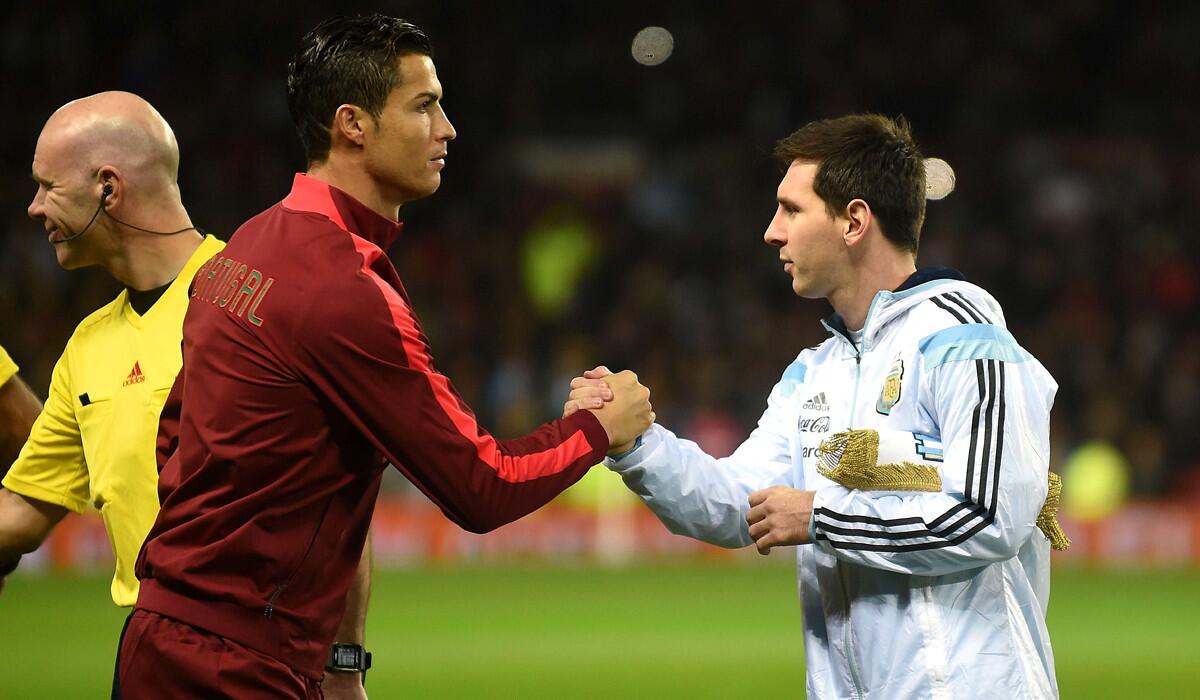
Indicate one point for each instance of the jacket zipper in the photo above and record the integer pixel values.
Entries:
(848, 629)
(270, 609)
(857, 377)
(847, 635)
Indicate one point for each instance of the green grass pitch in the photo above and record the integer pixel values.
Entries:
(685, 630)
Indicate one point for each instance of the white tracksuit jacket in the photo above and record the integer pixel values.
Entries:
(904, 594)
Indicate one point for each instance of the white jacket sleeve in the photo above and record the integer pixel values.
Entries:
(991, 401)
(702, 497)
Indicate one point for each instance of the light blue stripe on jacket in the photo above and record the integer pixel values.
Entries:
(970, 341)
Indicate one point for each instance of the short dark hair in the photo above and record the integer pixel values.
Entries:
(869, 157)
(352, 59)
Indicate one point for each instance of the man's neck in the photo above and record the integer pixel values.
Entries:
(352, 178)
(852, 301)
(150, 262)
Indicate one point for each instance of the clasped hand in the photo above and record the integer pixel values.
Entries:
(619, 401)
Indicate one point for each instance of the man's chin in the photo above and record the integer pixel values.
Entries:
(805, 290)
(421, 191)
(68, 259)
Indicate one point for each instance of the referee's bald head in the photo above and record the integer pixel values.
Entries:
(119, 129)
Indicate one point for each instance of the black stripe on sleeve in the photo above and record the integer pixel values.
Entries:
(894, 522)
(999, 446)
(964, 300)
(966, 309)
(868, 519)
(975, 429)
(872, 547)
(952, 311)
(981, 497)
(975, 511)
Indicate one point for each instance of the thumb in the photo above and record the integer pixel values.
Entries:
(598, 372)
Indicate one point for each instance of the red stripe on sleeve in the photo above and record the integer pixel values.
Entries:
(513, 469)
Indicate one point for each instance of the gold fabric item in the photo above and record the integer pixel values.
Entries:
(1047, 521)
(850, 458)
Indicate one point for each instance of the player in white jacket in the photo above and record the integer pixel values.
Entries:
(908, 455)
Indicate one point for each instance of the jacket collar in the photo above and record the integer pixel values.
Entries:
(312, 195)
(918, 287)
(929, 274)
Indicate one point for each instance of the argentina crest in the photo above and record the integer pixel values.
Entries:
(890, 393)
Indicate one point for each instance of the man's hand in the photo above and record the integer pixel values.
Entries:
(343, 685)
(589, 391)
(621, 404)
(779, 516)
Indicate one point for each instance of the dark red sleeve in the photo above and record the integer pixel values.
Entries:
(370, 359)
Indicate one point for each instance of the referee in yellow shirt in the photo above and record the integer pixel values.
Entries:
(106, 168)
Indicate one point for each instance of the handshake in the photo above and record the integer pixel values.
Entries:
(620, 403)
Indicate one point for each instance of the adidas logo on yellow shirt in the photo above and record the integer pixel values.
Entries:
(135, 375)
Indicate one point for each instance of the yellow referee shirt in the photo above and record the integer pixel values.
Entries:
(7, 367)
(93, 444)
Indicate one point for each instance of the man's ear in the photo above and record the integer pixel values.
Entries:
(858, 220)
(111, 185)
(349, 124)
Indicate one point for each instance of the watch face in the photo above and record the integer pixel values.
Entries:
(346, 656)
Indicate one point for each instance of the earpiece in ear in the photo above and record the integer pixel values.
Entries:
(107, 190)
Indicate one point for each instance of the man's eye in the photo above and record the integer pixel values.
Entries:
(424, 106)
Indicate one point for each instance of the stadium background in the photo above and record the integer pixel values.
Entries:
(596, 210)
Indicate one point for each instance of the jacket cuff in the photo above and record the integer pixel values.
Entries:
(596, 436)
(642, 447)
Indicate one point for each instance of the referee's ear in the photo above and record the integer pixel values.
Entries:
(110, 186)
(350, 124)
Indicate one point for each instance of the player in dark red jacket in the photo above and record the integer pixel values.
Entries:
(304, 374)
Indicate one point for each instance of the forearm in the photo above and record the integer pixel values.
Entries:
(18, 409)
(24, 523)
(485, 484)
(352, 629)
(16, 538)
(348, 685)
(694, 494)
(413, 415)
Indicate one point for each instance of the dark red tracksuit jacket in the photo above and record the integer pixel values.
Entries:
(304, 373)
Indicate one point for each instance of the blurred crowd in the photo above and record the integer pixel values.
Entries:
(595, 210)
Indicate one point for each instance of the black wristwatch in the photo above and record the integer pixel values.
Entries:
(349, 657)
